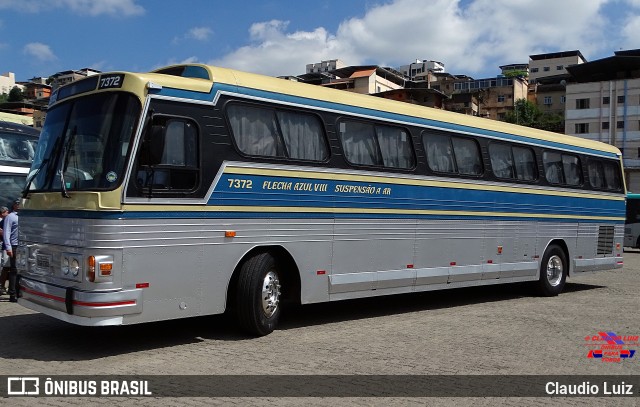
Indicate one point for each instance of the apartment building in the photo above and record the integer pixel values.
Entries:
(489, 97)
(419, 68)
(325, 66)
(36, 91)
(603, 103)
(553, 64)
(365, 79)
(8, 82)
(65, 77)
(549, 93)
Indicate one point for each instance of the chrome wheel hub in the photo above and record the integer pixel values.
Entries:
(270, 293)
(554, 270)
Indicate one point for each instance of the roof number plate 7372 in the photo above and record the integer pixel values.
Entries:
(111, 81)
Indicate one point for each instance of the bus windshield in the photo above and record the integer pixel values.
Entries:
(84, 143)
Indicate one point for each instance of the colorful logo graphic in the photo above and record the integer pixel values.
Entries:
(611, 347)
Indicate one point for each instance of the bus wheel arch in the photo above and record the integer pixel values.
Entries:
(554, 268)
(264, 279)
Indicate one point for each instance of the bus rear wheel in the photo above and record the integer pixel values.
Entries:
(553, 272)
(258, 295)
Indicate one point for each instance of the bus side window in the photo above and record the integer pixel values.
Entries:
(439, 153)
(501, 160)
(169, 156)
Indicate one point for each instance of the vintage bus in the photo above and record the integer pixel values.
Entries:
(632, 222)
(194, 190)
(17, 147)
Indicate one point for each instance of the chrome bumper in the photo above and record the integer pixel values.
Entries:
(65, 302)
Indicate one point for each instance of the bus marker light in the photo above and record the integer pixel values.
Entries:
(617, 246)
(105, 269)
(142, 285)
(499, 249)
(91, 271)
(453, 263)
(409, 266)
(321, 272)
(230, 233)
(489, 261)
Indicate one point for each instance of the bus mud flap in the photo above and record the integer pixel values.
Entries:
(68, 300)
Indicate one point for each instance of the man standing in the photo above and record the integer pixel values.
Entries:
(10, 238)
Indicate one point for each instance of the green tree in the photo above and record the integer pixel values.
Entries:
(3, 97)
(15, 95)
(526, 113)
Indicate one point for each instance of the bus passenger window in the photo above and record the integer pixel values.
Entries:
(440, 153)
(611, 176)
(255, 131)
(572, 169)
(561, 168)
(596, 174)
(501, 160)
(303, 136)
(468, 157)
(359, 143)
(605, 174)
(395, 147)
(525, 163)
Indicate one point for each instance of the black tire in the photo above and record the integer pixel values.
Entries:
(258, 295)
(637, 243)
(553, 271)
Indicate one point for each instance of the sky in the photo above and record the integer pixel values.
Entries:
(471, 37)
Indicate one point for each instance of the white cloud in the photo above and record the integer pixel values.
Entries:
(196, 33)
(117, 8)
(199, 33)
(41, 52)
(471, 37)
(630, 32)
(276, 52)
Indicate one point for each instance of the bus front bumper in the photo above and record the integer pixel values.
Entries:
(79, 307)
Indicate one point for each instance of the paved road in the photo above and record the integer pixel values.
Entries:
(500, 330)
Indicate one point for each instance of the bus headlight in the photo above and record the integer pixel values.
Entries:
(65, 265)
(74, 267)
(70, 265)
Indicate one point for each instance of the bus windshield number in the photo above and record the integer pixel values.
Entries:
(111, 81)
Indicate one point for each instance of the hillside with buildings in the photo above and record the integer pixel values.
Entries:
(597, 100)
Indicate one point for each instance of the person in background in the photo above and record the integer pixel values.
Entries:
(4, 262)
(10, 239)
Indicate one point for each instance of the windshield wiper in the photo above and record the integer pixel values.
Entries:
(65, 162)
(25, 191)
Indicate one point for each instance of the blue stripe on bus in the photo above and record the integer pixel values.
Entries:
(406, 197)
(200, 96)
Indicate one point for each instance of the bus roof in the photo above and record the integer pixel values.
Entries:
(10, 127)
(201, 79)
(278, 85)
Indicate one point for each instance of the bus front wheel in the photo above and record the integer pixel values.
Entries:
(553, 271)
(258, 295)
